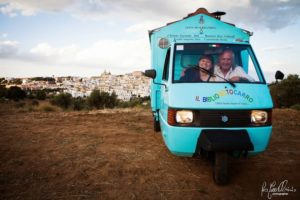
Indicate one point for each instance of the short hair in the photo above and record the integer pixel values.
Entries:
(232, 57)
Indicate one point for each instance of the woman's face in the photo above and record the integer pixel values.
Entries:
(205, 63)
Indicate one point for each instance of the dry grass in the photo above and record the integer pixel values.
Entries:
(114, 154)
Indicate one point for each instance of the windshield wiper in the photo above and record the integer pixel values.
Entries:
(212, 74)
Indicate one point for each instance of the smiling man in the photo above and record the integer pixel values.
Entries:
(226, 68)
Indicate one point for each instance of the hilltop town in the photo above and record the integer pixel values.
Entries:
(125, 86)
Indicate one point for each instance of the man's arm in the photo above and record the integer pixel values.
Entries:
(238, 74)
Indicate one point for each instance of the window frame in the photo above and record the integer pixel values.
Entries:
(251, 54)
(166, 70)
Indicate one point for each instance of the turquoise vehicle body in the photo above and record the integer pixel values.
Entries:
(182, 141)
(215, 105)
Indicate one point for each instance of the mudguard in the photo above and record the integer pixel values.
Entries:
(225, 140)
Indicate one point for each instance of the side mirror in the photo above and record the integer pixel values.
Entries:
(151, 73)
(279, 75)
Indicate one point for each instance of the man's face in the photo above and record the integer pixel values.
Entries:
(226, 61)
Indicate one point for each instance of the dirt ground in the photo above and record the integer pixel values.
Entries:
(114, 154)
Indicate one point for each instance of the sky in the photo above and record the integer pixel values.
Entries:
(86, 37)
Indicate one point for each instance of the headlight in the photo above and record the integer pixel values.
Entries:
(184, 116)
(259, 117)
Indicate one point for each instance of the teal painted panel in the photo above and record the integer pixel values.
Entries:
(201, 28)
(182, 141)
(220, 96)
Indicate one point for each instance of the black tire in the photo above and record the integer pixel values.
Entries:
(220, 171)
(156, 126)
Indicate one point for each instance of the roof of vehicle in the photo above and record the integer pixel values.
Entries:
(216, 15)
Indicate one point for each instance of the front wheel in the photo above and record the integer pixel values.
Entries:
(220, 170)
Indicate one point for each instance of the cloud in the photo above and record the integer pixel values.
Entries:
(45, 50)
(278, 48)
(13, 8)
(8, 48)
(143, 27)
(117, 56)
(272, 14)
(105, 54)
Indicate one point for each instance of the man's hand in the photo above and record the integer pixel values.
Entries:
(239, 79)
(235, 79)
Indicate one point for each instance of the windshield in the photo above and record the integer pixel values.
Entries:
(215, 63)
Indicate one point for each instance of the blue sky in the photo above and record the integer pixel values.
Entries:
(86, 37)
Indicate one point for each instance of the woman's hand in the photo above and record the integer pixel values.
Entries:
(183, 72)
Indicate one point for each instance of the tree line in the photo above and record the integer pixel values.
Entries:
(97, 100)
(286, 93)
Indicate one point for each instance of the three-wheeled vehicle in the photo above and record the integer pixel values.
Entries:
(220, 117)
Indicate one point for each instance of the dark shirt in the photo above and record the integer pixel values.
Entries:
(192, 75)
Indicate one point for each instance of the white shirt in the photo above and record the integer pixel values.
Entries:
(238, 71)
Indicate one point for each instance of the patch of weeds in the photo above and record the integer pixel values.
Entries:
(48, 108)
(20, 105)
(35, 103)
(31, 108)
(296, 107)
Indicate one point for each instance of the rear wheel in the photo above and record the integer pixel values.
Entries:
(220, 171)
(156, 125)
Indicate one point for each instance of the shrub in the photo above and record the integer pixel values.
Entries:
(3, 100)
(95, 99)
(63, 100)
(287, 92)
(112, 101)
(102, 100)
(79, 103)
(30, 108)
(48, 108)
(296, 107)
(20, 105)
(41, 94)
(15, 93)
(135, 102)
(35, 103)
(3, 91)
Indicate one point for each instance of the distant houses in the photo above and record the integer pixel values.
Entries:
(125, 86)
